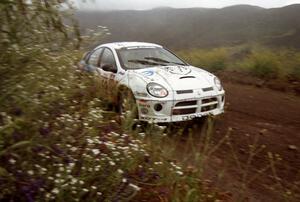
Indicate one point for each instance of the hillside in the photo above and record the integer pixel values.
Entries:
(199, 27)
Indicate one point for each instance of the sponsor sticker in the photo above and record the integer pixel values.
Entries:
(144, 105)
(148, 73)
(153, 119)
(181, 70)
(141, 94)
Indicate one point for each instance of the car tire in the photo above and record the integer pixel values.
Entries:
(127, 107)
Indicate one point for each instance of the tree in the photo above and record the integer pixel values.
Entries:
(34, 27)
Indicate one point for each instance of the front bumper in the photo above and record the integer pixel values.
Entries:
(182, 108)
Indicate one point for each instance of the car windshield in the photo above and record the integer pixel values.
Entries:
(144, 57)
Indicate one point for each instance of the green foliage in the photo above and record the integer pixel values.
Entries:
(213, 60)
(259, 61)
(37, 22)
(60, 144)
(263, 64)
(294, 70)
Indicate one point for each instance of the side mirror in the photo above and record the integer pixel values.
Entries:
(109, 68)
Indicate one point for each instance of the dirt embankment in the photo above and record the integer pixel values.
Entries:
(282, 85)
(269, 121)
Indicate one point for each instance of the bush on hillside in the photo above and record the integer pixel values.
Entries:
(263, 65)
(212, 60)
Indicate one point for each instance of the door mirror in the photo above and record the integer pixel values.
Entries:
(109, 68)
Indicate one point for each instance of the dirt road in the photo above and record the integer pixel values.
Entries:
(270, 122)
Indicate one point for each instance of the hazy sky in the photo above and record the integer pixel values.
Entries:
(148, 4)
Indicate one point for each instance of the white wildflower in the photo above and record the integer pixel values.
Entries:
(179, 172)
(96, 151)
(12, 161)
(120, 171)
(55, 191)
(73, 149)
(135, 187)
(112, 163)
(74, 181)
(50, 178)
(90, 141)
(30, 172)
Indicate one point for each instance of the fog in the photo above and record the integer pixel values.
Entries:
(149, 4)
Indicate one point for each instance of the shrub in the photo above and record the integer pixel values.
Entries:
(295, 74)
(213, 60)
(294, 64)
(263, 65)
(259, 61)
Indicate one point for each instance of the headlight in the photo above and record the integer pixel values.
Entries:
(157, 90)
(218, 83)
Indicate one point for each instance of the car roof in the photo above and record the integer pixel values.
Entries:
(119, 45)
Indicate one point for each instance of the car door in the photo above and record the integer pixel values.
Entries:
(92, 62)
(108, 64)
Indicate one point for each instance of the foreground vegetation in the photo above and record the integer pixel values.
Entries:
(57, 141)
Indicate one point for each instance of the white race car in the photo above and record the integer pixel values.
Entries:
(163, 87)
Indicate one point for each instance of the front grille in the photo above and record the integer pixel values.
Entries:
(208, 108)
(184, 91)
(184, 111)
(208, 100)
(207, 89)
(193, 106)
(186, 103)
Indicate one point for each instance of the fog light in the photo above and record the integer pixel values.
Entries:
(144, 110)
(158, 107)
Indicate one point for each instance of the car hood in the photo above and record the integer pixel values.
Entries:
(177, 77)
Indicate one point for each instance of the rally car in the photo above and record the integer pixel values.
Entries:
(163, 87)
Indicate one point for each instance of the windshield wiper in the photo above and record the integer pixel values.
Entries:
(162, 60)
(145, 62)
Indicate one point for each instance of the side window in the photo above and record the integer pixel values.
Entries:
(94, 57)
(86, 56)
(108, 59)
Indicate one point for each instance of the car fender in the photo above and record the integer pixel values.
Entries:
(138, 85)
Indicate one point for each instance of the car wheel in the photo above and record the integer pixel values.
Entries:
(127, 107)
